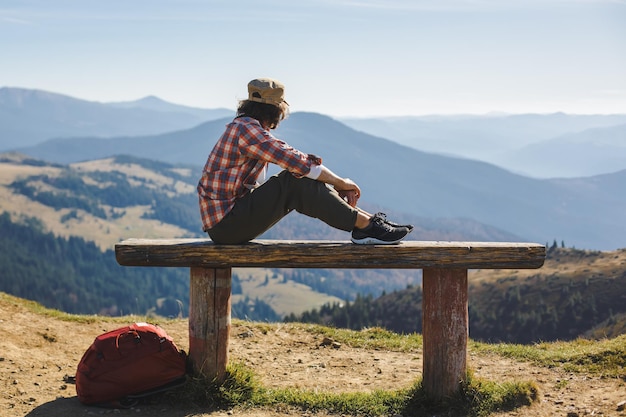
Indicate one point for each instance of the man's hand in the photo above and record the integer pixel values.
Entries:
(351, 197)
(349, 191)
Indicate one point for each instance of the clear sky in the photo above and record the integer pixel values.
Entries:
(336, 57)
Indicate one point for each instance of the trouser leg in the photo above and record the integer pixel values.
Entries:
(260, 209)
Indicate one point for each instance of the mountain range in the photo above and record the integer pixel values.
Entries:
(534, 145)
(586, 212)
(28, 117)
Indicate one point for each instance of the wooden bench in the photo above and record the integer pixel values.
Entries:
(445, 268)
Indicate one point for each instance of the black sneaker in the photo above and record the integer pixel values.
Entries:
(379, 232)
(390, 223)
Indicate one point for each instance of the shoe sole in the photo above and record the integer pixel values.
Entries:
(374, 241)
(369, 240)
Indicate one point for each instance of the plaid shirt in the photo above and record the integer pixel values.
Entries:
(236, 162)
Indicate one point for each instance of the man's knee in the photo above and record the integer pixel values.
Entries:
(294, 183)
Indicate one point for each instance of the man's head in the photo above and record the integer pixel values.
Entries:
(267, 90)
(266, 102)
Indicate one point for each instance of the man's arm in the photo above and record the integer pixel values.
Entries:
(344, 186)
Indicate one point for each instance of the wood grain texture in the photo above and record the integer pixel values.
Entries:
(445, 329)
(209, 320)
(329, 254)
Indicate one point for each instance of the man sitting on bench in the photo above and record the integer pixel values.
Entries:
(236, 207)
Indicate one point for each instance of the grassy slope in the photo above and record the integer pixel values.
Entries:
(104, 232)
(285, 297)
(567, 275)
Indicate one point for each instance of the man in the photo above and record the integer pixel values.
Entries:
(236, 207)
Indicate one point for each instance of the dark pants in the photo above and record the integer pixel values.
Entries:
(263, 207)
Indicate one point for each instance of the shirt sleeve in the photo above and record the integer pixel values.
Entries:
(257, 143)
(314, 172)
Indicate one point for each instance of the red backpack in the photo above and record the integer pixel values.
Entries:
(128, 363)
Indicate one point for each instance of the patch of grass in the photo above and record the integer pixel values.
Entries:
(376, 403)
(485, 397)
(605, 357)
(560, 384)
(477, 398)
(39, 309)
(241, 389)
(368, 338)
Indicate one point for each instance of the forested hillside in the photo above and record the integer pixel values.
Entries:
(75, 276)
(577, 293)
(87, 207)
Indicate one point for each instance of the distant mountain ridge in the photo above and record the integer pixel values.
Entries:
(28, 117)
(157, 104)
(584, 153)
(586, 212)
(530, 144)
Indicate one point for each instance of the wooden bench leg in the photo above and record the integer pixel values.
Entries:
(209, 320)
(445, 330)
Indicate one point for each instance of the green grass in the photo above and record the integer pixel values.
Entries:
(40, 310)
(44, 311)
(369, 338)
(241, 389)
(605, 357)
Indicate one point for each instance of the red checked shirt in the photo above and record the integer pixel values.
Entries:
(237, 160)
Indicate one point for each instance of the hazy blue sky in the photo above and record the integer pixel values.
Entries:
(337, 57)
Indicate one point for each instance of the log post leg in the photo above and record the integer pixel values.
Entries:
(445, 330)
(209, 320)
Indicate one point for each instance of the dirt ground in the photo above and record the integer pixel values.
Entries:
(38, 353)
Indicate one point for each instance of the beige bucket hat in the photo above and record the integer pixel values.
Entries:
(267, 90)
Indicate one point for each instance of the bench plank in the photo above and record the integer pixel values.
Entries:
(329, 254)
